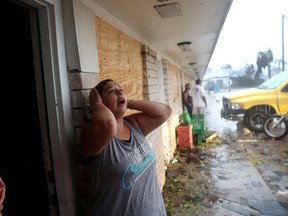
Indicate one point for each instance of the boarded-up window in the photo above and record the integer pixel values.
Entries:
(119, 59)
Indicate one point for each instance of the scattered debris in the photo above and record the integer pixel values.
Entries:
(210, 200)
(248, 141)
(174, 160)
(282, 197)
(188, 186)
(212, 137)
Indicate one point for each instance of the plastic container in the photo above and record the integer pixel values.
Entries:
(198, 123)
(184, 136)
(198, 127)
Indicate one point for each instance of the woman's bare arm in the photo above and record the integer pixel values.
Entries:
(102, 128)
(152, 114)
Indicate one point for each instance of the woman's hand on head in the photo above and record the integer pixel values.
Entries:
(94, 98)
(101, 129)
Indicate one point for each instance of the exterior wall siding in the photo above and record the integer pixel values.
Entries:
(151, 92)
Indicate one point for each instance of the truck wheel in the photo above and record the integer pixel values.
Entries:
(254, 119)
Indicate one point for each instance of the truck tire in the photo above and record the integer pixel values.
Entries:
(254, 119)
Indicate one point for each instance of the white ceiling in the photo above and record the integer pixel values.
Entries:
(200, 23)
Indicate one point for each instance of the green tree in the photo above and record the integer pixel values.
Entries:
(226, 67)
(250, 70)
(264, 60)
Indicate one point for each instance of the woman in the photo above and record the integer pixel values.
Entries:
(121, 164)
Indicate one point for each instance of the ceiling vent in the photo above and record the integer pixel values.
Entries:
(168, 10)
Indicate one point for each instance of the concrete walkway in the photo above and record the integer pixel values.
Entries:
(239, 187)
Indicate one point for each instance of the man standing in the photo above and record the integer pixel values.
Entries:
(187, 99)
(199, 98)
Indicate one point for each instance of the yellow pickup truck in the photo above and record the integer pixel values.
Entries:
(252, 106)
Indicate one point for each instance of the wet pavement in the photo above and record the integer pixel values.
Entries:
(240, 186)
(239, 173)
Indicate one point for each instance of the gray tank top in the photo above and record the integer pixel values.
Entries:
(123, 179)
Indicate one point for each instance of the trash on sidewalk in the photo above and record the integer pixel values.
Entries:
(282, 197)
(211, 137)
(175, 160)
(247, 141)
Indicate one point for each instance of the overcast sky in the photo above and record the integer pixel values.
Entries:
(251, 26)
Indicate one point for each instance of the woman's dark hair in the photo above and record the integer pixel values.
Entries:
(101, 85)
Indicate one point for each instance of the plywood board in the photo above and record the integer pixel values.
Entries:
(119, 59)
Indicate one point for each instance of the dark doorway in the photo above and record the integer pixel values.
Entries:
(22, 166)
